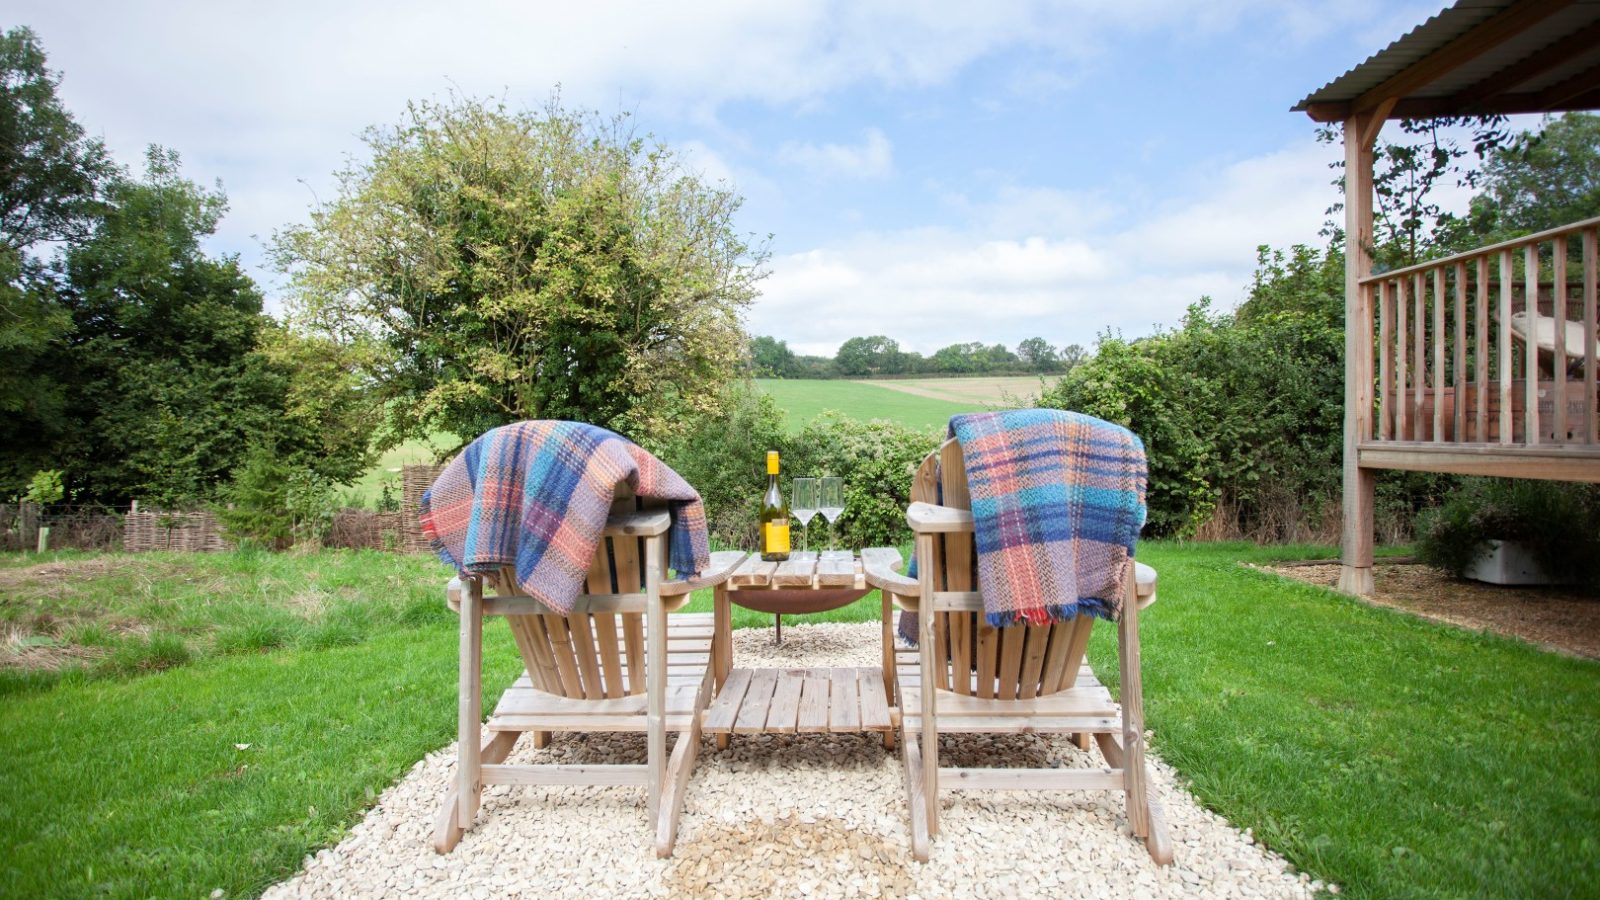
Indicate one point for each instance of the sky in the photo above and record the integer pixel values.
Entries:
(937, 172)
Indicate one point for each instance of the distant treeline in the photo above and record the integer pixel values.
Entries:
(862, 357)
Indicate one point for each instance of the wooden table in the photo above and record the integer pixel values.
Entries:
(807, 582)
(764, 701)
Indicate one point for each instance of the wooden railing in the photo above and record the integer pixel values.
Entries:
(1451, 367)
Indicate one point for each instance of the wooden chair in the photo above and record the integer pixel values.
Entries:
(613, 664)
(1017, 680)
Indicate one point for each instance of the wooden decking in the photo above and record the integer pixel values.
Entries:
(789, 701)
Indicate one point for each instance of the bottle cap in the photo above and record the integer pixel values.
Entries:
(772, 462)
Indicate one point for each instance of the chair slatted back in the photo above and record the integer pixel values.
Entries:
(975, 658)
(590, 655)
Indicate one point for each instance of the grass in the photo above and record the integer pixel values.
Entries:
(369, 489)
(86, 616)
(803, 400)
(1395, 757)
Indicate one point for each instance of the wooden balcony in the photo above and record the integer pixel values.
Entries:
(1486, 361)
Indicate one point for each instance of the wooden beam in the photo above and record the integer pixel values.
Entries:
(1530, 67)
(1480, 39)
(1554, 97)
(1545, 461)
(1356, 575)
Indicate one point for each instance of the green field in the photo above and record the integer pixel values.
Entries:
(369, 488)
(914, 402)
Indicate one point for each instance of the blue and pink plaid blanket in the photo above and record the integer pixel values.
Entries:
(535, 495)
(1058, 500)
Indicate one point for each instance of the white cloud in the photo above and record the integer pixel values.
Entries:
(1080, 274)
(872, 158)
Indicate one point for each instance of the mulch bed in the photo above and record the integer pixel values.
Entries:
(1553, 618)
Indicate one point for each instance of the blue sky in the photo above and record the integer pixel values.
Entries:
(936, 172)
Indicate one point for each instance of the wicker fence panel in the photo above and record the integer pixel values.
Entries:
(414, 482)
(197, 532)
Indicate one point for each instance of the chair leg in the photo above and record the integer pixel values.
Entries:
(912, 756)
(655, 678)
(447, 830)
(1132, 691)
(469, 705)
(679, 768)
(929, 690)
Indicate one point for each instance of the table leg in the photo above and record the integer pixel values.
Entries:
(777, 629)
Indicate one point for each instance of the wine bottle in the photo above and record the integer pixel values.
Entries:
(774, 516)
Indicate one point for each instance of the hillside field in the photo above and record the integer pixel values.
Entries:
(915, 402)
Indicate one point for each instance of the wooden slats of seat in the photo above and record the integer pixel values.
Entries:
(785, 701)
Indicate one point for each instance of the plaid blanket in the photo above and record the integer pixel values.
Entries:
(1058, 499)
(535, 495)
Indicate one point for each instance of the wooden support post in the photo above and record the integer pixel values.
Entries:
(655, 674)
(1360, 131)
(469, 704)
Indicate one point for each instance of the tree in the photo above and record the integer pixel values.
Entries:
(1072, 355)
(771, 358)
(50, 177)
(1541, 179)
(1038, 354)
(960, 358)
(513, 265)
(167, 382)
(875, 355)
(50, 173)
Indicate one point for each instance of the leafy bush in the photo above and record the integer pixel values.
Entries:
(1559, 522)
(1240, 413)
(877, 461)
(45, 487)
(724, 457)
(274, 504)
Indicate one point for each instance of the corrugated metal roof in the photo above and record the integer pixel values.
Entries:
(1451, 24)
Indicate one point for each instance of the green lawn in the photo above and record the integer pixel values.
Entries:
(803, 400)
(1392, 756)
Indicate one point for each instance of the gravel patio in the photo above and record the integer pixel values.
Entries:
(784, 815)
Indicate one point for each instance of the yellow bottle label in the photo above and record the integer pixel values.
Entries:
(777, 537)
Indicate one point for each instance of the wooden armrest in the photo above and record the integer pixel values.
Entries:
(648, 523)
(880, 565)
(925, 518)
(723, 563)
(1144, 579)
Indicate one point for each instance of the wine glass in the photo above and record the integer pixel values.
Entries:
(832, 503)
(804, 505)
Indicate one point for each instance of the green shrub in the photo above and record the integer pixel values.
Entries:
(1559, 522)
(877, 461)
(725, 456)
(273, 504)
